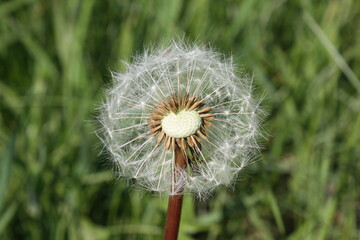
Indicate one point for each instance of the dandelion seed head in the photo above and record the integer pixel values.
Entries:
(180, 97)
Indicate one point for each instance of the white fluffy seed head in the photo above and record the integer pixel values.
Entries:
(182, 124)
(176, 70)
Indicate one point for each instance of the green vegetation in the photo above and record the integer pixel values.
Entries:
(56, 56)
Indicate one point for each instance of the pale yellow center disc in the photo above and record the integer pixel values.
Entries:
(182, 124)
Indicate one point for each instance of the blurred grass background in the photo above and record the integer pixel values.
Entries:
(55, 57)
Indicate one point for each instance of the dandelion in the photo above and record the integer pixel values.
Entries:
(180, 120)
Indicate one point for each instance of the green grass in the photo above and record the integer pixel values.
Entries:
(56, 56)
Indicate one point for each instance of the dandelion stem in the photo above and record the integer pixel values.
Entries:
(175, 200)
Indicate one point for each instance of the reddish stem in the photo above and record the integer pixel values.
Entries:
(173, 217)
(175, 202)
